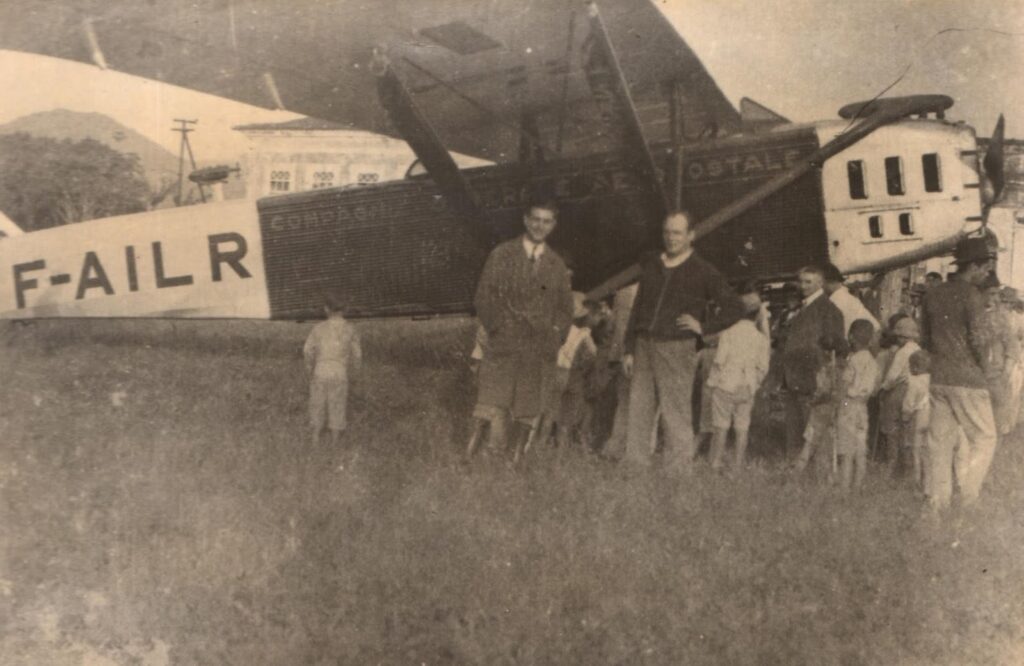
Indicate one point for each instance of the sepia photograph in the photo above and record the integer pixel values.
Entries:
(511, 332)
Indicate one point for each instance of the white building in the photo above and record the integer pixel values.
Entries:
(308, 154)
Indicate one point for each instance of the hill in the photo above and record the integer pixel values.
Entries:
(159, 164)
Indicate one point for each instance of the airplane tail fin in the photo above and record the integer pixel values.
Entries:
(757, 117)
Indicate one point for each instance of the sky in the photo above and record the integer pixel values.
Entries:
(805, 59)
(802, 58)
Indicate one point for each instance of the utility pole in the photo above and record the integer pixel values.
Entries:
(183, 146)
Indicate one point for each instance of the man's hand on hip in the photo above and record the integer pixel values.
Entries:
(627, 365)
(687, 322)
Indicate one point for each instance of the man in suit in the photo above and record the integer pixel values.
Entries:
(524, 303)
(811, 335)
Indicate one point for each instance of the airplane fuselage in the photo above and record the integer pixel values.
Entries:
(395, 249)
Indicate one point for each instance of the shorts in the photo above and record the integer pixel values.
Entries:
(819, 423)
(729, 409)
(328, 400)
(852, 429)
(890, 411)
(556, 390)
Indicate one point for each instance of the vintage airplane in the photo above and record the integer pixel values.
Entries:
(600, 105)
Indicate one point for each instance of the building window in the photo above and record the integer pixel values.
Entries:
(280, 181)
(894, 175)
(855, 173)
(906, 224)
(932, 174)
(367, 178)
(875, 226)
(323, 179)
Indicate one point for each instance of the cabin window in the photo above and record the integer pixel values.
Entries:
(367, 178)
(323, 179)
(894, 175)
(855, 174)
(906, 224)
(280, 181)
(875, 226)
(932, 174)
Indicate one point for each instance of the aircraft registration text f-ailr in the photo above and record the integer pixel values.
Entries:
(162, 264)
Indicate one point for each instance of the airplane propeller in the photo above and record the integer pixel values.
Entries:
(995, 177)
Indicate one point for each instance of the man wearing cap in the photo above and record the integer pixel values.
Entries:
(917, 292)
(813, 334)
(524, 303)
(671, 312)
(952, 332)
(848, 304)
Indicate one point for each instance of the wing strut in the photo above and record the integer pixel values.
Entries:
(634, 129)
(417, 132)
(884, 112)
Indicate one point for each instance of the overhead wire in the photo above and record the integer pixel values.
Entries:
(913, 61)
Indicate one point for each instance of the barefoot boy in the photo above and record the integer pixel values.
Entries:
(575, 365)
(740, 365)
(331, 352)
(917, 413)
(894, 388)
(858, 381)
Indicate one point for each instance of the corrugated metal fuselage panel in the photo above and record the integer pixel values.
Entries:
(396, 249)
(776, 237)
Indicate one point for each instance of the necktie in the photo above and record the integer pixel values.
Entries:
(534, 256)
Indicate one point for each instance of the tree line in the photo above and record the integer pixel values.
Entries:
(47, 182)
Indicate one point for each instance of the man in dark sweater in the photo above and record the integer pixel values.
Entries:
(811, 335)
(952, 330)
(671, 312)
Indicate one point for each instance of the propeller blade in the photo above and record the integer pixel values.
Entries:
(993, 161)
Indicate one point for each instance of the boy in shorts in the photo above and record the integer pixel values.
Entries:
(894, 388)
(818, 433)
(917, 412)
(331, 352)
(857, 382)
(576, 361)
(740, 365)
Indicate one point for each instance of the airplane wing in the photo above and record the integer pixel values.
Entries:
(487, 73)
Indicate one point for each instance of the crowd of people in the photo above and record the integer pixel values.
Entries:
(682, 359)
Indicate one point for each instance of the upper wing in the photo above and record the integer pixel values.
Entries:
(486, 73)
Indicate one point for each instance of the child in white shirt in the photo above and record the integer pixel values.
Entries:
(857, 383)
(740, 365)
(331, 351)
(894, 386)
(917, 413)
(575, 361)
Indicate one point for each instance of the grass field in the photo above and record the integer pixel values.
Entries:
(161, 505)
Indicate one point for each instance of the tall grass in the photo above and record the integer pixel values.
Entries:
(193, 523)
